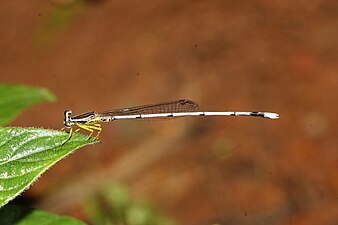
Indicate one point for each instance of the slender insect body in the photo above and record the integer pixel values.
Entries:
(182, 108)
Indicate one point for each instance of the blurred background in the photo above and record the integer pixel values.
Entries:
(259, 55)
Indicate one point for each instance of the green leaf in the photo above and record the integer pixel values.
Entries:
(15, 98)
(25, 153)
(18, 215)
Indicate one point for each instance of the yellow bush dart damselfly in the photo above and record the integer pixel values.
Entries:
(90, 121)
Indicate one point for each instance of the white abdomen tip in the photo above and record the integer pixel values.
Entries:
(271, 115)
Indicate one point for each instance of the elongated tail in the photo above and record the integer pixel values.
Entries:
(268, 115)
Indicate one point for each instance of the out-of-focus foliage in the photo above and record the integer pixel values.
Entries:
(18, 215)
(57, 19)
(15, 98)
(113, 205)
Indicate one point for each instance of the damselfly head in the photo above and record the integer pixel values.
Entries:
(68, 121)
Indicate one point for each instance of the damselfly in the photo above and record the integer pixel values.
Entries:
(90, 121)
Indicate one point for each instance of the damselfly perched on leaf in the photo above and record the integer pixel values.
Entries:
(90, 121)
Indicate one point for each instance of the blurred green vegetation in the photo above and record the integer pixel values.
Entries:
(57, 19)
(16, 98)
(19, 215)
(113, 205)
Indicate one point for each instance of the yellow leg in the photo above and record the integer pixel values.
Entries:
(99, 130)
(91, 129)
(69, 136)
